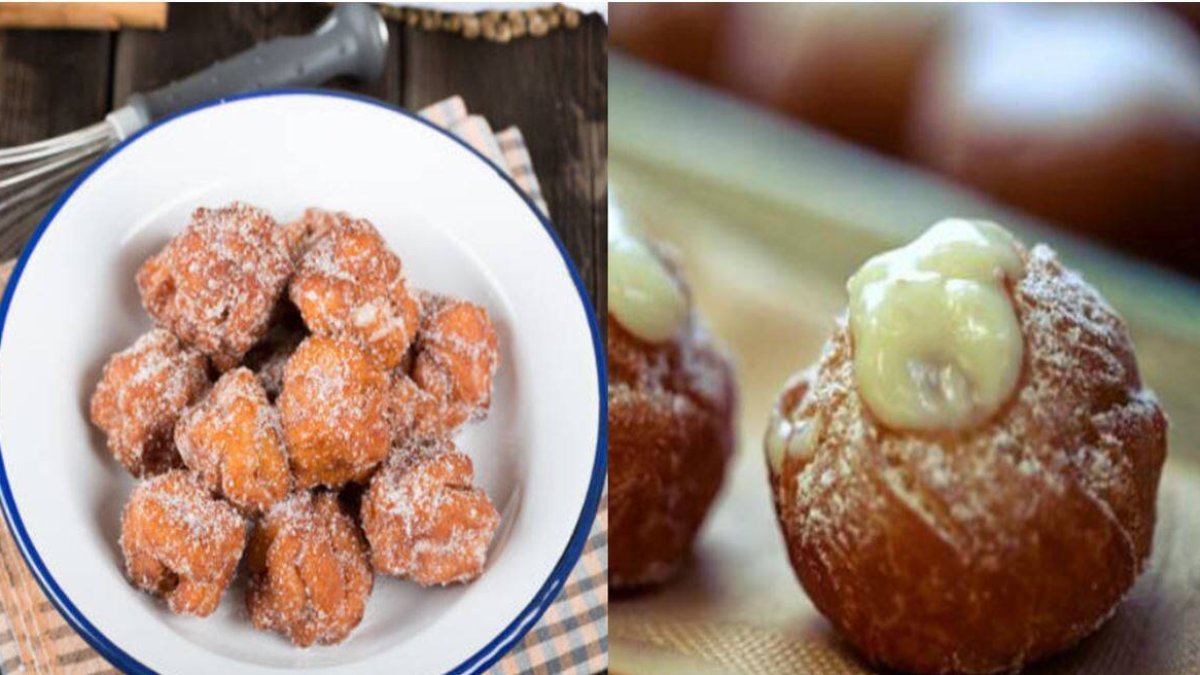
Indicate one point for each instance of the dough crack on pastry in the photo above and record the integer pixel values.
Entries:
(963, 549)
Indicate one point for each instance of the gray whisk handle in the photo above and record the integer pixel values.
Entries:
(351, 41)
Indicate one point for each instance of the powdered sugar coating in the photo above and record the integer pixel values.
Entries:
(334, 408)
(418, 414)
(348, 284)
(215, 284)
(309, 575)
(965, 552)
(141, 393)
(454, 365)
(456, 354)
(306, 230)
(233, 440)
(180, 543)
(423, 518)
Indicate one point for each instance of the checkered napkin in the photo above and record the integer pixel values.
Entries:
(571, 637)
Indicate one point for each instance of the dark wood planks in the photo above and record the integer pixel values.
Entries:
(199, 34)
(553, 88)
(51, 82)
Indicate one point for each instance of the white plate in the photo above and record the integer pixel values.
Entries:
(459, 225)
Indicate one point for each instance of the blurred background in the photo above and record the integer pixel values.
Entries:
(1086, 116)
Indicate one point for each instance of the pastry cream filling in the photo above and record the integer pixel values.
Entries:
(642, 294)
(937, 345)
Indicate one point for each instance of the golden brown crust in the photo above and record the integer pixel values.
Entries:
(1104, 153)
(670, 435)
(425, 520)
(233, 440)
(418, 414)
(334, 410)
(181, 543)
(349, 285)
(141, 393)
(309, 575)
(309, 228)
(450, 371)
(215, 284)
(458, 353)
(981, 551)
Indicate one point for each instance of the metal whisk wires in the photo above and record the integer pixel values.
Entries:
(32, 175)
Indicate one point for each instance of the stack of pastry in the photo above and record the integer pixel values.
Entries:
(326, 438)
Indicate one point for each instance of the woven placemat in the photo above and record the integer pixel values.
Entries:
(571, 637)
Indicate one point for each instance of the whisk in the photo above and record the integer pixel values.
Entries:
(352, 40)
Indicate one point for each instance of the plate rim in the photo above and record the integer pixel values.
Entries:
(527, 618)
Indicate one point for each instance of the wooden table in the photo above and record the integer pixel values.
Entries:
(553, 88)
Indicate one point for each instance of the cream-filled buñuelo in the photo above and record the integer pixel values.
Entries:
(966, 478)
(671, 398)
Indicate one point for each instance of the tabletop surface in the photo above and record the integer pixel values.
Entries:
(552, 87)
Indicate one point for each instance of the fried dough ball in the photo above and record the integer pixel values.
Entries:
(671, 434)
(424, 519)
(458, 346)
(181, 543)
(418, 414)
(982, 550)
(672, 396)
(334, 408)
(455, 363)
(215, 284)
(309, 575)
(349, 285)
(682, 36)
(849, 69)
(233, 440)
(139, 397)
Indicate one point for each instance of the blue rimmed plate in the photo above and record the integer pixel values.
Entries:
(459, 225)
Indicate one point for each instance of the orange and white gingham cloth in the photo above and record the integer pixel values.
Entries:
(571, 637)
(506, 148)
